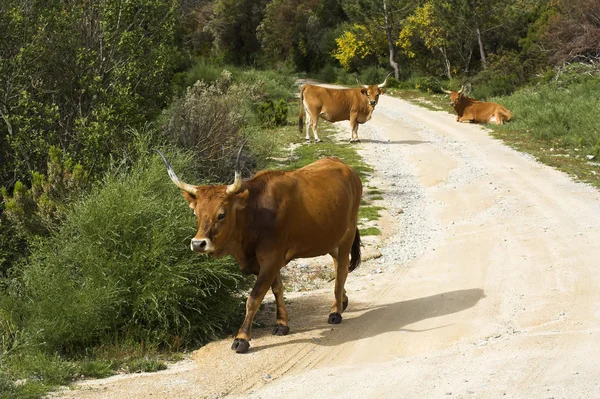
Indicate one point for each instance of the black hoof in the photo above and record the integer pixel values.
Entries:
(240, 345)
(281, 330)
(345, 304)
(335, 318)
(318, 141)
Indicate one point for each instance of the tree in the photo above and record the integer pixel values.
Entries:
(379, 16)
(233, 25)
(574, 32)
(355, 45)
(75, 75)
(298, 31)
(425, 26)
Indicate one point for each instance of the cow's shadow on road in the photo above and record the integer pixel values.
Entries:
(368, 322)
(403, 142)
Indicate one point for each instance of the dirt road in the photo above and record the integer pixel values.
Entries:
(488, 286)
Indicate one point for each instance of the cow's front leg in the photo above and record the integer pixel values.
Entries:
(354, 128)
(464, 119)
(282, 327)
(241, 343)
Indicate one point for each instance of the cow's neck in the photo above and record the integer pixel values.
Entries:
(367, 115)
(464, 103)
(242, 242)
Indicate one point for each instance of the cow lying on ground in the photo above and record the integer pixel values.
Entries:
(334, 105)
(277, 216)
(472, 110)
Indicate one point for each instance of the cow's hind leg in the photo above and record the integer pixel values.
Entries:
(499, 118)
(341, 262)
(315, 130)
(282, 327)
(312, 119)
(265, 279)
(308, 126)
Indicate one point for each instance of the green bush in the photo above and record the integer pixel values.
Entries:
(502, 76)
(202, 70)
(268, 84)
(327, 74)
(373, 75)
(426, 84)
(272, 114)
(120, 270)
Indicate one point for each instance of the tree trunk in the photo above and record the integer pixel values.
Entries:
(390, 40)
(4, 115)
(481, 50)
(446, 62)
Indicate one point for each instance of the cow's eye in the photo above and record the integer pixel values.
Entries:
(221, 216)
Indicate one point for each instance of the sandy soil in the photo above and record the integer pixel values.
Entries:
(487, 287)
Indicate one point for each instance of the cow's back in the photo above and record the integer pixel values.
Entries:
(311, 209)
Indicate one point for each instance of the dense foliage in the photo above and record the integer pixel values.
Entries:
(83, 283)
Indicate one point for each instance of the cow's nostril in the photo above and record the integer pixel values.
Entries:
(199, 245)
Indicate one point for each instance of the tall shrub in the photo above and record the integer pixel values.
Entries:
(120, 269)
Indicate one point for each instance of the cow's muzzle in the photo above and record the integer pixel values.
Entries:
(373, 103)
(203, 245)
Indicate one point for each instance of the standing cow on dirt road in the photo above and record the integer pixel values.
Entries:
(277, 216)
(335, 105)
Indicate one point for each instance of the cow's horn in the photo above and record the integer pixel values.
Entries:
(461, 89)
(360, 84)
(183, 186)
(237, 181)
(446, 91)
(385, 81)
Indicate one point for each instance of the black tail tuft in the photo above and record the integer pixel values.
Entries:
(355, 252)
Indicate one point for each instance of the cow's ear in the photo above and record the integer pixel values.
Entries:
(382, 91)
(363, 91)
(191, 199)
(241, 199)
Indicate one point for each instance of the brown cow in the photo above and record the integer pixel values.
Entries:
(277, 216)
(472, 110)
(334, 105)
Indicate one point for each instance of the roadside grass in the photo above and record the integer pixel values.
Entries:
(554, 122)
(370, 231)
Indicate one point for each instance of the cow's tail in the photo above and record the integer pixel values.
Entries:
(355, 252)
(301, 113)
(507, 114)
